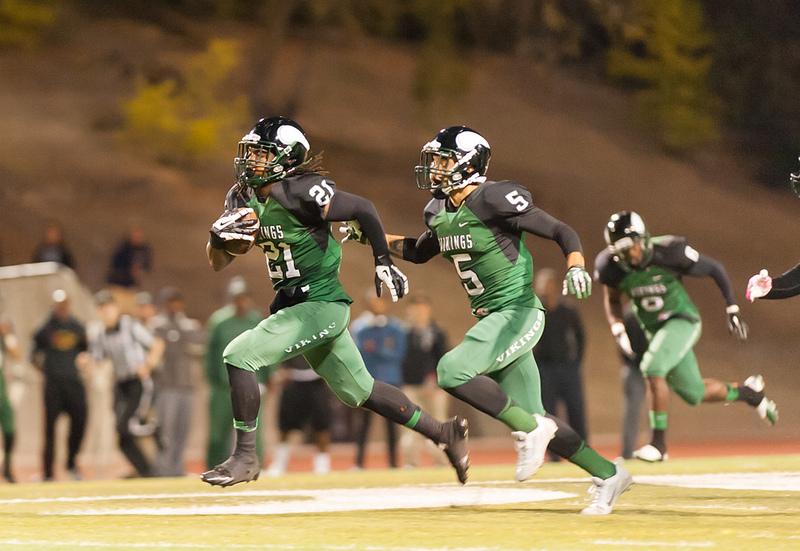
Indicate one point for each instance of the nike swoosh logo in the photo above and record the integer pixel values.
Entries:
(462, 224)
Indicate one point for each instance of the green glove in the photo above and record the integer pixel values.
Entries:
(577, 282)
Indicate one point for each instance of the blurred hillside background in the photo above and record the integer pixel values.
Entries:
(117, 113)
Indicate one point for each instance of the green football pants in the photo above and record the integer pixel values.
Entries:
(499, 346)
(670, 355)
(318, 332)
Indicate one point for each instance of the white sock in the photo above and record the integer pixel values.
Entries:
(281, 459)
(322, 463)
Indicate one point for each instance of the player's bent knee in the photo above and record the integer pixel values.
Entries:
(448, 373)
(692, 396)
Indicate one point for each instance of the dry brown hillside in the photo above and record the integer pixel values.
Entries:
(572, 142)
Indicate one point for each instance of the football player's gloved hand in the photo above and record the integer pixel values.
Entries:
(386, 273)
(577, 282)
(232, 225)
(736, 325)
(352, 232)
(623, 341)
(758, 286)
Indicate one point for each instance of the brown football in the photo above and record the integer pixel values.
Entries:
(238, 247)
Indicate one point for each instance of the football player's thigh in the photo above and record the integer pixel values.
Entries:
(520, 380)
(669, 346)
(492, 343)
(340, 364)
(289, 333)
(687, 382)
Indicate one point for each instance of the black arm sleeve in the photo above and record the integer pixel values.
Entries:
(346, 206)
(420, 250)
(707, 266)
(538, 222)
(785, 286)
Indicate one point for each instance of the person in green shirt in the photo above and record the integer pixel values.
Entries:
(224, 325)
(479, 226)
(9, 348)
(648, 271)
(281, 183)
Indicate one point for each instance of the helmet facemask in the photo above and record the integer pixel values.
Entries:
(794, 181)
(447, 170)
(260, 163)
(624, 249)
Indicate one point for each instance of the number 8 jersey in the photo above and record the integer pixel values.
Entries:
(656, 289)
(297, 242)
(483, 240)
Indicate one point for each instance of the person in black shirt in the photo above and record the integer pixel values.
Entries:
(52, 248)
(633, 381)
(426, 344)
(559, 354)
(58, 347)
(131, 259)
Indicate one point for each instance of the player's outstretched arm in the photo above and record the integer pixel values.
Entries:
(577, 280)
(418, 250)
(345, 206)
(612, 301)
(763, 286)
(707, 266)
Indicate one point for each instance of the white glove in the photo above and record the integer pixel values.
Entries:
(231, 226)
(623, 341)
(352, 232)
(758, 286)
(386, 273)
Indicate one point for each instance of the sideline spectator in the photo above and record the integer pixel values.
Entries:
(381, 339)
(146, 311)
(129, 262)
(427, 343)
(305, 399)
(134, 353)
(224, 325)
(52, 247)
(183, 346)
(9, 348)
(634, 387)
(59, 348)
(559, 353)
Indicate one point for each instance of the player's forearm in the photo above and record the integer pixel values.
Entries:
(218, 258)
(707, 266)
(613, 306)
(575, 258)
(346, 206)
(786, 285)
(416, 250)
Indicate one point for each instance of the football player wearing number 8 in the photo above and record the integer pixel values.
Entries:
(478, 225)
(648, 271)
(281, 182)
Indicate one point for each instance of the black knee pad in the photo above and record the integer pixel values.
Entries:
(566, 442)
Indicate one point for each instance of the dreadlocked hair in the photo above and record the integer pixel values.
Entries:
(314, 163)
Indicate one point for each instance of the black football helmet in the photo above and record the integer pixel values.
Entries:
(273, 150)
(624, 229)
(456, 157)
(794, 181)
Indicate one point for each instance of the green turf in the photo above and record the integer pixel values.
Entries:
(648, 517)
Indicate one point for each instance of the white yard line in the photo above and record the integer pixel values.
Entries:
(183, 545)
(654, 543)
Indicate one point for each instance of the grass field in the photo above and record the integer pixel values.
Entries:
(724, 503)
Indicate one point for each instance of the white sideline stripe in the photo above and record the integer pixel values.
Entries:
(770, 481)
(648, 543)
(337, 500)
(167, 545)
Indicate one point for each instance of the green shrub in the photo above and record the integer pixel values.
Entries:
(23, 22)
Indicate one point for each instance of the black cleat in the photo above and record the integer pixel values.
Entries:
(240, 467)
(454, 444)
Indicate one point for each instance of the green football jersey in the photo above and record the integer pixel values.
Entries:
(301, 252)
(486, 248)
(656, 290)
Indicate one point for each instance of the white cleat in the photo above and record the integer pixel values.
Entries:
(532, 446)
(766, 409)
(650, 454)
(606, 492)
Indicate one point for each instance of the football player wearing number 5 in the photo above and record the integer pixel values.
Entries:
(280, 181)
(478, 225)
(648, 271)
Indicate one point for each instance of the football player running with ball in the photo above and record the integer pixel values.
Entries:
(279, 180)
(648, 271)
(478, 225)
